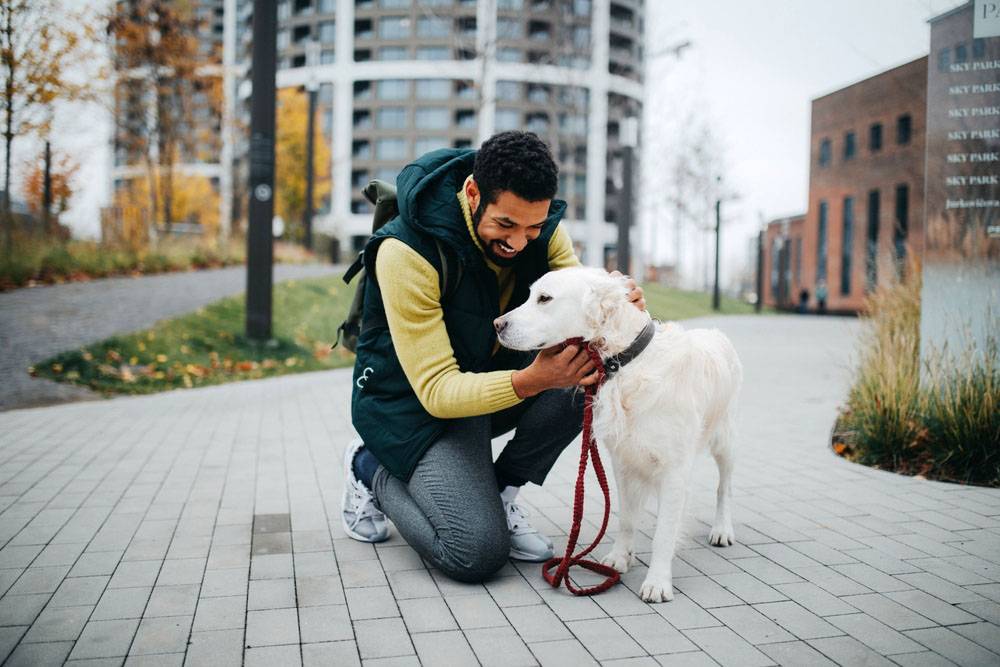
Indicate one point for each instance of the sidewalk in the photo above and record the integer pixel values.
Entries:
(202, 527)
(38, 322)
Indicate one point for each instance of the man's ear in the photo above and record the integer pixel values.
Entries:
(472, 194)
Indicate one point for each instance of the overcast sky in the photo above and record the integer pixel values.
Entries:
(751, 71)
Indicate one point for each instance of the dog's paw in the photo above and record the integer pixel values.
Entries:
(620, 560)
(722, 536)
(657, 589)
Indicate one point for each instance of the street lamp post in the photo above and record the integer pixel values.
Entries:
(629, 141)
(312, 86)
(716, 301)
(260, 243)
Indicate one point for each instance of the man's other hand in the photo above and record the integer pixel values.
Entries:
(635, 295)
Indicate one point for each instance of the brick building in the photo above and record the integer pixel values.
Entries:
(866, 192)
(782, 269)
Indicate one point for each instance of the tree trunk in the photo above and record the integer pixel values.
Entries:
(8, 133)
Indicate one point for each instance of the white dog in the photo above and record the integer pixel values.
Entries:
(654, 415)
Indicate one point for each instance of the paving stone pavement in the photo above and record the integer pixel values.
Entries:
(201, 527)
(37, 322)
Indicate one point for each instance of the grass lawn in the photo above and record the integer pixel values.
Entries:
(208, 346)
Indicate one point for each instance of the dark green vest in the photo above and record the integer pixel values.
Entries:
(384, 408)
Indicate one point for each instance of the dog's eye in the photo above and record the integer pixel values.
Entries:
(544, 298)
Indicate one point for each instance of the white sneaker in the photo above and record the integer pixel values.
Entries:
(361, 519)
(526, 543)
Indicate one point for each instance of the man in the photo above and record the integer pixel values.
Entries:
(432, 386)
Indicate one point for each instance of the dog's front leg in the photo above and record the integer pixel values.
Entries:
(658, 586)
(631, 499)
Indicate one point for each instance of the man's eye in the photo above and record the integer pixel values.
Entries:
(544, 298)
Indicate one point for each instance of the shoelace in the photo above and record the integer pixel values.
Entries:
(517, 520)
(362, 505)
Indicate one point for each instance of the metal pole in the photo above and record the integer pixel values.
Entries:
(47, 190)
(307, 215)
(260, 242)
(715, 290)
(625, 220)
(760, 272)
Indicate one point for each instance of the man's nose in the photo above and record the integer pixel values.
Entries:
(500, 324)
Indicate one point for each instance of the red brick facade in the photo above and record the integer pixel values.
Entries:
(784, 262)
(866, 170)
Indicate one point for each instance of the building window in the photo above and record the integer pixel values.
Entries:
(540, 31)
(433, 89)
(507, 119)
(849, 146)
(393, 4)
(465, 119)
(847, 246)
(361, 149)
(432, 118)
(510, 5)
(394, 27)
(466, 25)
(581, 7)
(581, 37)
(825, 148)
(362, 55)
(509, 55)
(300, 34)
(428, 144)
(944, 60)
(904, 128)
(510, 28)
(978, 48)
(821, 243)
(362, 90)
(961, 53)
(328, 32)
(574, 124)
(363, 29)
(797, 249)
(391, 118)
(871, 242)
(303, 7)
(875, 137)
(393, 89)
(327, 6)
(393, 53)
(538, 93)
(465, 90)
(387, 174)
(362, 119)
(359, 178)
(901, 226)
(390, 149)
(433, 27)
(327, 56)
(537, 122)
(433, 53)
(282, 39)
(462, 143)
(508, 91)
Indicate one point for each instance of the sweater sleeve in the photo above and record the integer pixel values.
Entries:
(412, 299)
(561, 255)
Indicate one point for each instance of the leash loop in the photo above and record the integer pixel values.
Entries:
(588, 450)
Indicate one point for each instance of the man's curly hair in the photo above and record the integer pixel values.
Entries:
(518, 162)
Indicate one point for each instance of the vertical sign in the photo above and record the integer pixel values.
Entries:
(961, 266)
(260, 242)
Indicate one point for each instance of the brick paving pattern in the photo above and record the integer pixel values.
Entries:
(201, 528)
(38, 322)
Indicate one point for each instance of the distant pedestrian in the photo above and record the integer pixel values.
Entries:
(803, 307)
(821, 297)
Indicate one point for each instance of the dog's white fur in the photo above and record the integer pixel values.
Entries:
(654, 416)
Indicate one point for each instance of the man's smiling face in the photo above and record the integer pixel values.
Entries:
(507, 225)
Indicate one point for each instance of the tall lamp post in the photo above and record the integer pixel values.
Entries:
(629, 141)
(260, 240)
(716, 301)
(312, 86)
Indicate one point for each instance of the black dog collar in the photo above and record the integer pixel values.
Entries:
(614, 364)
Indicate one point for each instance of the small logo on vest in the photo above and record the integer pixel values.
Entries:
(365, 374)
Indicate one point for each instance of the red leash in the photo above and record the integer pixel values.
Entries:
(588, 449)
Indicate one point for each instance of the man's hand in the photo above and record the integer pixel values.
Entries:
(554, 368)
(635, 295)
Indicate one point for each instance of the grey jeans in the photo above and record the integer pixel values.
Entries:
(450, 511)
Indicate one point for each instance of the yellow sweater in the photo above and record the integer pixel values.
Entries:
(412, 299)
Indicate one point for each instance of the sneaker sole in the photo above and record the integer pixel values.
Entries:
(358, 536)
(529, 558)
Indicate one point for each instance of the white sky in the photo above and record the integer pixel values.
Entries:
(752, 70)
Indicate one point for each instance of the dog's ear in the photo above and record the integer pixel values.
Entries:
(605, 297)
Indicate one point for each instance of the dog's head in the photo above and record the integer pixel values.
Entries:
(569, 303)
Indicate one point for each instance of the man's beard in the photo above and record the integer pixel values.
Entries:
(477, 215)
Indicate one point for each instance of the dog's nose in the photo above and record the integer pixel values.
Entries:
(500, 324)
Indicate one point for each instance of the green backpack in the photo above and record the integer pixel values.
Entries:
(382, 196)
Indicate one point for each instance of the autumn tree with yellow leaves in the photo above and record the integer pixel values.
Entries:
(41, 46)
(290, 161)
